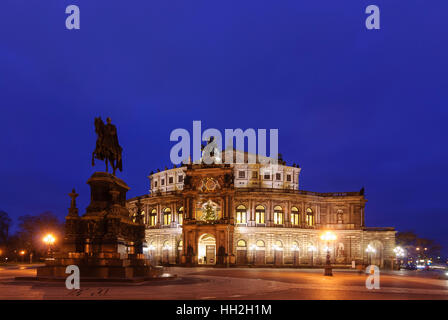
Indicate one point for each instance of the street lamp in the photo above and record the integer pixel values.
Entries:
(49, 240)
(294, 249)
(369, 251)
(399, 252)
(312, 249)
(328, 237)
(22, 253)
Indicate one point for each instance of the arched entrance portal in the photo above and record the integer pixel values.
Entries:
(207, 249)
(375, 254)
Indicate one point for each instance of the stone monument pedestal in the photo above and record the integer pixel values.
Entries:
(105, 243)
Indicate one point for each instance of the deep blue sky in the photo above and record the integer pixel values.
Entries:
(353, 107)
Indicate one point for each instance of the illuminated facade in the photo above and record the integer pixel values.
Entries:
(254, 214)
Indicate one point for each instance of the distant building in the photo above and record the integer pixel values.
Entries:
(254, 214)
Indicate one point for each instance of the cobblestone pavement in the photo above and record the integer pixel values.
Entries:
(235, 284)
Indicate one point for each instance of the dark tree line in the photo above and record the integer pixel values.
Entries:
(415, 245)
(28, 238)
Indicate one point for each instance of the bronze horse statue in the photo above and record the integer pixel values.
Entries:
(107, 147)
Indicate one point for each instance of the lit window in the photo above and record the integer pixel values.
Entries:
(295, 217)
(167, 216)
(153, 218)
(180, 215)
(278, 215)
(241, 243)
(241, 214)
(309, 217)
(260, 243)
(259, 214)
(288, 177)
(241, 174)
(278, 176)
(254, 175)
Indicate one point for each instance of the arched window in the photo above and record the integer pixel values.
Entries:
(259, 214)
(309, 217)
(167, 216)
(180, 215)
(295, 217)
(260, 244)
(279, 244)
(180, 245)
(153, 217)
(278, 215)
(241, 243)
(241, 214)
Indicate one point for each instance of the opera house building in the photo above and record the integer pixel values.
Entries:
(254, 214)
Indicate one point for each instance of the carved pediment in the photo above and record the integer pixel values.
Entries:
(209, 185)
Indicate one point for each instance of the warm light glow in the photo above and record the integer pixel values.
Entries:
(370, 249)
(152, 247)
(399, 252)
(253, 247)
(328, 236)
(294, 247)
(49, 239)
(312, 248)
(22, 252)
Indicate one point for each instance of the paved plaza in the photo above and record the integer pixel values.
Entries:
(234, 284)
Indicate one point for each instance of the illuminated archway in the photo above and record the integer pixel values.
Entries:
(207, 249)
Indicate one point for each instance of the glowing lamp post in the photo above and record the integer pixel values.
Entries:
(49, 240)
(22, 254)
(399, 253)
(328, 237)
(369, 251)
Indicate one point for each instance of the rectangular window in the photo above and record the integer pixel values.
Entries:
(180, 218)
(267, 176)
(181, 178)
(278, 218)
(170, 180)
(278, 176)
(162, 182)
(294, 219)
(241, 174)
(259, 217)
(153, 220)
(155, 184)
(288, 177)
(254, 175)
(167, 218)
(241, 217)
